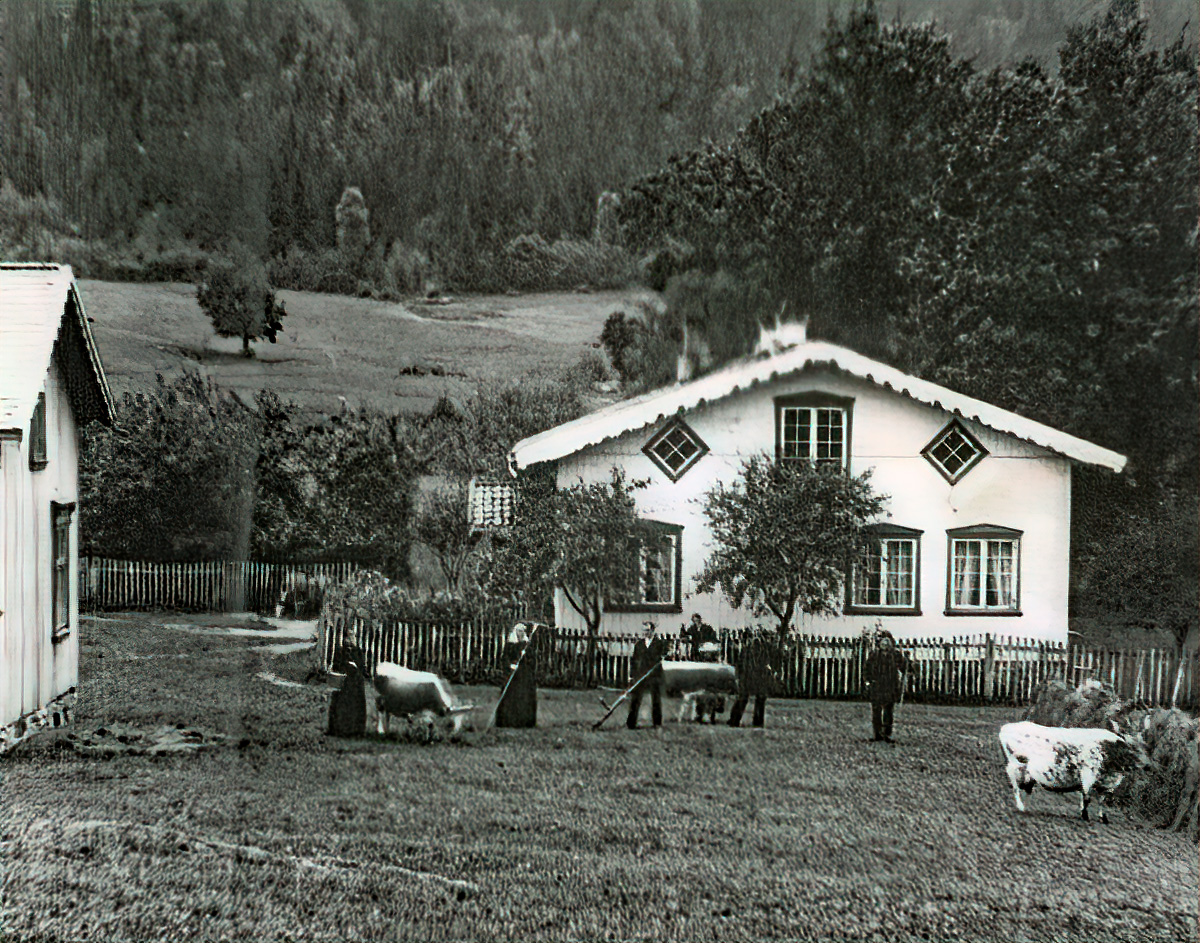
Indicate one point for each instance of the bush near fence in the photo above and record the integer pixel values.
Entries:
(960, 671)
(214, 586)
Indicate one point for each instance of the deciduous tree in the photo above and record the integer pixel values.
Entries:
(786, 535)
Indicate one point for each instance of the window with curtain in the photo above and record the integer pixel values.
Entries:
(983, 573)
(886, 578)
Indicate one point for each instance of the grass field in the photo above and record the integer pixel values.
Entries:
(801, 831)
(333, 345)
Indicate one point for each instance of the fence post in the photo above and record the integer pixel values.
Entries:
(989, 666)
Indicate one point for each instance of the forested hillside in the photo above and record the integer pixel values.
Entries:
(158, 131)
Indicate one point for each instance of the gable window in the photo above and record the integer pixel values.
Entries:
(675, 449)
(658, 570)
(886, 579)
(60, 549)
(984, 571)
(812, 427)
(37, 435)
(954, 452)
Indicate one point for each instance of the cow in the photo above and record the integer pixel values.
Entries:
(1088, 760)
(403, 692)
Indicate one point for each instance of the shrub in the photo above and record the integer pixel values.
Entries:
(353, 228)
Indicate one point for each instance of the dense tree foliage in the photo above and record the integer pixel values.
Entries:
(173, 479)
(338, 487)
(785, 535)
(1027, 238)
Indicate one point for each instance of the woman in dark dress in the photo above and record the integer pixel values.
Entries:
(518, 701)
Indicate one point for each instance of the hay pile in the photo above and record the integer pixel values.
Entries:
(1091, 705)
(1166, 793)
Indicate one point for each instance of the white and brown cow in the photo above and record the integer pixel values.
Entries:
(1088, 760)
(403, 692)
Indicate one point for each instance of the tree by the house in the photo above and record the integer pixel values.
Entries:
(442, 523)
(174, 477)
(585, 540)
(237, 296)
(786, 534)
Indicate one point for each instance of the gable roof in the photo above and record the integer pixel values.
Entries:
(39, 307)
(767, 365)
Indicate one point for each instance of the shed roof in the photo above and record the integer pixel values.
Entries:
(39, 307)
(771, 364)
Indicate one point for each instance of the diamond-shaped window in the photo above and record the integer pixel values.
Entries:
(675, 448)
(954, 452)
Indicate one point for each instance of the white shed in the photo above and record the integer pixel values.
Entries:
(977, 538)
(51, 386)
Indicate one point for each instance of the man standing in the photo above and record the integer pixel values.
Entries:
(647, 654)
(756, 661)
(885, 669)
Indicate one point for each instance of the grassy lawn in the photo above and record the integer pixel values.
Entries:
(801, 831)
(333, 345)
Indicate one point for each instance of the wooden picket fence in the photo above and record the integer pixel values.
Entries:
(973, 670)
(217, 586)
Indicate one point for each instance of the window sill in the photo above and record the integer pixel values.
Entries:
(983, 612)
(38, 465)
(881, 611)
(60, 636)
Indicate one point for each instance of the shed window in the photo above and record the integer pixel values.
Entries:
(37, 435)
(60, 521)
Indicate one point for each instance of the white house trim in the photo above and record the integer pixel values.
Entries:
(766, 366)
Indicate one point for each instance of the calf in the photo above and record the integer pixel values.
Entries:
(1069, 759)
(406, 693)
(696, 704)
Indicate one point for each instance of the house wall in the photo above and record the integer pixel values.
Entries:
(34, 670)
(1018, 485)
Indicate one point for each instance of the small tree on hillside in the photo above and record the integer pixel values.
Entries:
(586, 540)
(353, 228)
(240, 301)
(441, 522)
(787, 534)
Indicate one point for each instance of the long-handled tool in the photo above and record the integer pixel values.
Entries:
(628, 691)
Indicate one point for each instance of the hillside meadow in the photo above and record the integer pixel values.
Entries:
(335, 346)
(801, 831)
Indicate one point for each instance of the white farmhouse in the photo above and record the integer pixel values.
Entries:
(51, 385)
(977, 538)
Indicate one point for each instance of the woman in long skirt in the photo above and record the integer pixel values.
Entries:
(518, 703)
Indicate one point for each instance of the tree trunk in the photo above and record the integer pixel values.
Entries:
(246, 352)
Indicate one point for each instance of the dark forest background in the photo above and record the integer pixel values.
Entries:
(1003, 201)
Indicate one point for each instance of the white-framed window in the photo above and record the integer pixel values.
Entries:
(813, 427)
(60, 549)
(675, 449)
(657, 584)
(954, 452)
(887, 578)
(984, 571)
